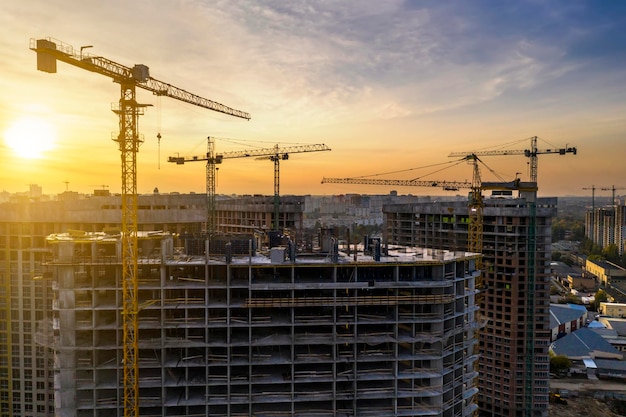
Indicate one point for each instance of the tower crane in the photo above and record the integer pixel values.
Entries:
(531, 153)
(589, 233)
(445, 185)
(613, 188)
(275, 154)
(48, 52)
(475, 200)
(593, 189)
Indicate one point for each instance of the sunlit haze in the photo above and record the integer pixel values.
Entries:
(391, 86)
(30, 137)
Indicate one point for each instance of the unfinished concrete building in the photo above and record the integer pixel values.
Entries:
(26, 362)
(248, 214)
(514, 359)
(389, 332)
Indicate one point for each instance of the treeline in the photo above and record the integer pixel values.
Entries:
(571, 228)
(567, 228)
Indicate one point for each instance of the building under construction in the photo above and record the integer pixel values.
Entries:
(514, 360)
(382, 331)
(249, 214)
(26, 295)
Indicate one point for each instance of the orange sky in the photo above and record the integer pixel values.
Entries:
(389, 86)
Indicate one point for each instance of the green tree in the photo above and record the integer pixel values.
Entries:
(567, 227)
(589, 248)
(611, 254)
(578, 231)
(558, 230)
(569, 299)
(601, 297)
(559, 363)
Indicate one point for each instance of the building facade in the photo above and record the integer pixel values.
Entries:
(606, 272)
(387, 333)
(250, 214)
(514, 359)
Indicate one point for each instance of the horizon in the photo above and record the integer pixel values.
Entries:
(597, 197)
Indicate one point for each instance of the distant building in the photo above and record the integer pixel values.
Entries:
(606, 368)
(619, 326)
(607, 226)
(246, 214)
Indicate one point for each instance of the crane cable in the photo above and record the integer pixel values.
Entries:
(158, 132)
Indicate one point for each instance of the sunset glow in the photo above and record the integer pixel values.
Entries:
(30, 137)
(389, 86)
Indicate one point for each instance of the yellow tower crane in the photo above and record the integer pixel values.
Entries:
(531, 153)
(48, 52)
(475, 199)
(275, 154)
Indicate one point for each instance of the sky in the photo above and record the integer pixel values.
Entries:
(392, 87)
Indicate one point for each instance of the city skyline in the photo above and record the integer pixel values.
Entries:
(389, 87)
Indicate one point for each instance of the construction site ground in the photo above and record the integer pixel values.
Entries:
(589, 398)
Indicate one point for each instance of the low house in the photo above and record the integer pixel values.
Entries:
(612, 309)
(585, 344)
(606, 368)
(605, 271)
(581, 282)
(618, 325)
(566, 318)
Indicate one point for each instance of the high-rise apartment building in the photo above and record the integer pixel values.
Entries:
(606, 226)
(514, 360)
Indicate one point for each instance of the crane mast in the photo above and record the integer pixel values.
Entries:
(475, 207)
(48, 52)
(275, 154)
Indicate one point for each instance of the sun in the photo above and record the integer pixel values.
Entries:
(30, 137)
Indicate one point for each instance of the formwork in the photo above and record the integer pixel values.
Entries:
(266, 334)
